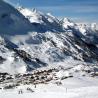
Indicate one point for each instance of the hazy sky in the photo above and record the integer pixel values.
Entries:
(78, 10)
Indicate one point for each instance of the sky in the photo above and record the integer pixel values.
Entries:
(78, 10)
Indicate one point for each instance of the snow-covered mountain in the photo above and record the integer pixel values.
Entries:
(11, 21)
(42, 22)
(31, 39)
(66, 23)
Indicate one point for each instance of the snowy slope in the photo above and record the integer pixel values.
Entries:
(66, 23)
(70, 88)
(88, 35)
(10, 62)
(35, 40)
(32, 15)
(43, 22)
(11, 21)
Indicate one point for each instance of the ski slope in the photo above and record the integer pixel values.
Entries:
(70, 88)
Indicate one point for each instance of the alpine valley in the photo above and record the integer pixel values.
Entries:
(38, 48)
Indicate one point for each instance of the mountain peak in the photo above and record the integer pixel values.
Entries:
(66, 20)
(66, 23)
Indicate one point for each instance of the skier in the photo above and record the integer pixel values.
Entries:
(20, 91)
